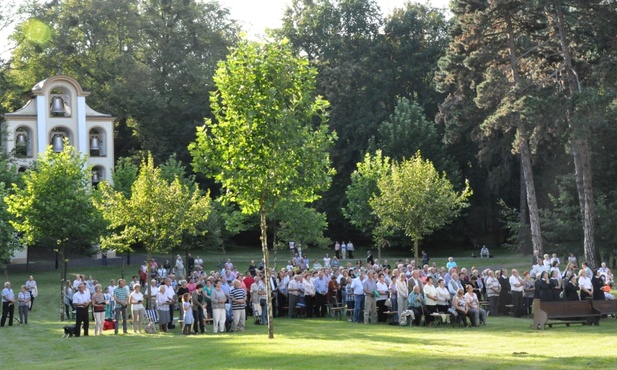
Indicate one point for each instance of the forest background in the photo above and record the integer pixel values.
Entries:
(517, 97)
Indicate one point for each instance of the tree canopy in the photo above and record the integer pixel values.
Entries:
(270, 140)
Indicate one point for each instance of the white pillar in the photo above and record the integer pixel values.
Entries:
(42, 112)
(82, 133)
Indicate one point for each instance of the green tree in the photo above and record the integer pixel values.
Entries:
(416, 199)
(157, 214)
(362, 189)
(149, 63)
(270, 141)
(124, 175)
(55, 206)
(9, 243)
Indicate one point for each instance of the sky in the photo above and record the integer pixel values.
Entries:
(256, 15)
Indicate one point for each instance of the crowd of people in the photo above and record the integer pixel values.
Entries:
(369, 291)
(24, 301)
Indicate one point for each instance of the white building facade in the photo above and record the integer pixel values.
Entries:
(57, 110)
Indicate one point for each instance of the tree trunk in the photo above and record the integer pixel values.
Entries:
(525, 153)
(416, 243)
(264, 247)
(149, 290)
(579, 141)
(62, 283)
(523, 239)
(532, 203)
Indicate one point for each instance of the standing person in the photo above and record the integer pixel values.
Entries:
(67, 293)
(259, 296)
(23, 299)
(191, 264)
(493, 288)
(295, 289)
(343, 250)
(337, 250)
(104, 259)
(98, 306)
(402, 292)
(430, 297)
(571, 289)
(369, 257)
(321, 289)
(218, 299)
(81, 300)
(517, 286)
(199, 306)
(162, 307)
(179, 267)
(528, 292)
(309, 294)
(425, 258)
(358, 290)
(188, 318)
(350, 249)
(121, 300)
(370, 304)
(535, 257)
(171, 297)
(383, 290)
(238, 301)
(32, 290)
(138, 311)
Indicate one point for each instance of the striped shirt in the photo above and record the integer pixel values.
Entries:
(237, 294)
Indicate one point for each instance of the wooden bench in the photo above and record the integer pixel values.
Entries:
(580, 312)
(607, 307)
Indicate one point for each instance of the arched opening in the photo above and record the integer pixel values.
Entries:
(57, 136)
(23, 142)
(98, 138)
(59, 102)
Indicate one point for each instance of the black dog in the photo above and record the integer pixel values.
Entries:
(69, 331)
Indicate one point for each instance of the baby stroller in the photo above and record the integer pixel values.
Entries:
(152, 317)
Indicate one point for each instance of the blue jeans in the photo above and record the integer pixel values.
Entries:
(358, 307)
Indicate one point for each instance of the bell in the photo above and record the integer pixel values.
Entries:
(57, 144)
(95, 143)
(22, 139)
(57, 106)
(95, 177)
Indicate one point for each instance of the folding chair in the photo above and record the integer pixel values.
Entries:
(153, 317)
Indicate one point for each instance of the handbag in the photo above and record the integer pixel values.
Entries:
(388, 303)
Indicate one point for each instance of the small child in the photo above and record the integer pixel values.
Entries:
(187, 305)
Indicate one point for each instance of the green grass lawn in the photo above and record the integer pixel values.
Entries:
(314, 344)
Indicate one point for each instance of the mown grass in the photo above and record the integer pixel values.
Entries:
(314, 344)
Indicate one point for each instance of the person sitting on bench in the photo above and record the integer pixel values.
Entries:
(484, 252)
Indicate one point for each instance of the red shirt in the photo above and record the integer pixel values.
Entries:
(248, 281)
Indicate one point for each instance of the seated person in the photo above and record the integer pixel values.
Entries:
(415, 301)
(460, 305)
(484, 252)
(476, 314)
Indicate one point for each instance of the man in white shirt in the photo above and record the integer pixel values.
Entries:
(538, 268)
(81, 301)
(516, 288)
(295, 289)
(358, 291)
(32, 289)
(8, 304)
(171, 297)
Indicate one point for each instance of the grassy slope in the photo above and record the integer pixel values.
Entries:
(326, 343)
